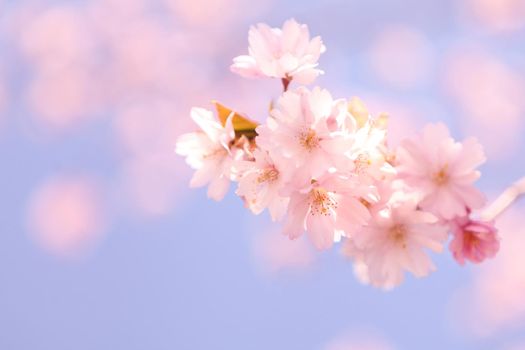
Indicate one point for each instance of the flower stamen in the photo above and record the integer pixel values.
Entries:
(362, 162)
(398, 235)
(268, 175)
(321, 202)
(309, 139)
(441, 177)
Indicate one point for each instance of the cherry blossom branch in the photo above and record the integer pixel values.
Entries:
(505, 200)
(323, 166)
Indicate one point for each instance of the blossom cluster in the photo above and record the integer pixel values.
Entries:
(324, 167)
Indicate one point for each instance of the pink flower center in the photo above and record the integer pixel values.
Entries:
(308, 139)
(470, 240)
(397, 234)
(362, 162)
(268, 175)
(321, 202)
(441, 177)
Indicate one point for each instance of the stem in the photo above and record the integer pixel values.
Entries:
(286, 81)
(504, 201)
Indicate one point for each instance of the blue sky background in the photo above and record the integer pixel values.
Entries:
(188, 278)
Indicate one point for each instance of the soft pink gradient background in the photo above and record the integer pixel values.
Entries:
(104, 247)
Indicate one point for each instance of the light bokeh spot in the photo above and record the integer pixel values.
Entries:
(401, 56)
(489, 94)
(359, 340)
(495, 15)
(66, 215)
(274, 252)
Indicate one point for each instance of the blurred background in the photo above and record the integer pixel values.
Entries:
(103, 246)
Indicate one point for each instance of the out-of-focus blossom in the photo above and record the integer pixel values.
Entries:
(401, 56)
(442, 170)
(151, 184)
(274, 252)
(56, 38)
(61, 45)
(394, 242)
(119, 10)
(60, 101)
(299, 131)
(473, 240)
(359, 340)
(496, 15)
(203, 13)
(150, 181)
(145, 57)
(149, 128)
(208, 152)
(3, 102)
(286, 53)
(66, 215)
(489, 93)
(94, 58)
(517, 346)
(260, 184)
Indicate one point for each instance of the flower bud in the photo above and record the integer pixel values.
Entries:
(473, 240)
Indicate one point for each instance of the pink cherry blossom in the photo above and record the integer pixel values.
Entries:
(326, 206)
(394, 242)
(286, 53)
(391, 192)
(473, 240)
(369, 153)
(260, 184)
(299, 131)
(442, 170)
(208, 151)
